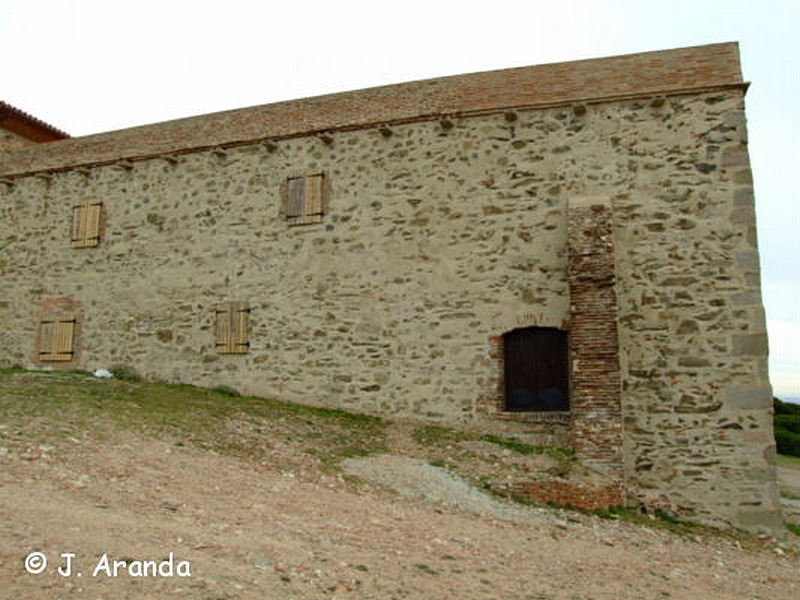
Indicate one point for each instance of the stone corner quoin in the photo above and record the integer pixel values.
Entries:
(375, 249)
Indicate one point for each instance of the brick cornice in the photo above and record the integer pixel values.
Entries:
(665, 72)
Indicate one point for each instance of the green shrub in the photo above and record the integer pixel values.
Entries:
(787, 427)
(785, 408)
(226, 390)
(787, 442)
(789, 422)
(124, 373)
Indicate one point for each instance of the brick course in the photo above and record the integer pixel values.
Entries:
(574, 494)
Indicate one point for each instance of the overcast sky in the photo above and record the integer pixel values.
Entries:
(87, 66)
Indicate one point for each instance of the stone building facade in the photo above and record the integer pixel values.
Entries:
(566, 253)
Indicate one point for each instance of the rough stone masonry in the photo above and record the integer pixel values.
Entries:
(372, 250)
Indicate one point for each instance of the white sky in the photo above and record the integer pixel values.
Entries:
(87, 66)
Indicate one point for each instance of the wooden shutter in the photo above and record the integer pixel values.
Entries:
(86, 223)
(56, 337)
(223, 329)
(297, 198)
(313, 196)
(305, 198)
(232, 328)
(240, 320)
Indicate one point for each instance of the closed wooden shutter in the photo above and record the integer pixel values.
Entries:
(240, 317)
(297, 198)
(56, 337)
(313, 194)
(78, 225)
(86, 217)
(232, 328)
(305, 198)
(223, 329)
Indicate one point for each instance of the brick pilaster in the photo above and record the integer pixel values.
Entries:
(595, 389)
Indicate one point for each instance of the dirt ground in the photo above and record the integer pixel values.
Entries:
(255, 529)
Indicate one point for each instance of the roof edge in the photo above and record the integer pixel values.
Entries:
(18, 121)
(664, 72)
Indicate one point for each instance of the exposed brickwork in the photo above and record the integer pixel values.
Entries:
(595, 392)
(649, 73)
(491, 403)
(573, 494)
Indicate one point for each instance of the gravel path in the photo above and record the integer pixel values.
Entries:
(416, 478)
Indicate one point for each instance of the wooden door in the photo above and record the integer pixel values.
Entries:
(536, 369)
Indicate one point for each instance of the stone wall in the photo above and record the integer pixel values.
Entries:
(696, 393)
(12, 141)
(386, 306)
(439, 237)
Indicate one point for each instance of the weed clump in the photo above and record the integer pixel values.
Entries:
(434, 434)
(124, 373)
(226, 390)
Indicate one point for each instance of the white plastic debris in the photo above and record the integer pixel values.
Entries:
(103, 373)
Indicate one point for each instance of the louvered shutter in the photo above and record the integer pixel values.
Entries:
(56, 337)
(86, 218)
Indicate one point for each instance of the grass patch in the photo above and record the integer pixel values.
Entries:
(661, 519)
(788, 461)
(436, 435)
(331, 457)
(523, 448)
(426, 569)
(431, 435)
(665, 521)
(795, 529)
(513, 445)
(45, 406)
(612, 512)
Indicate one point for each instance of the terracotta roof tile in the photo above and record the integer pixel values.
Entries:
(26, 125)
